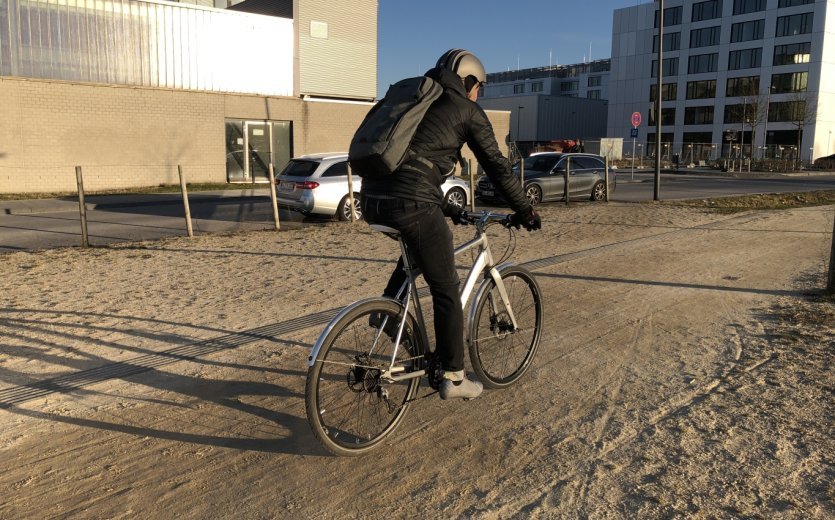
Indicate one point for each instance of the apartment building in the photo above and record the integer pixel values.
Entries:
(739, 77)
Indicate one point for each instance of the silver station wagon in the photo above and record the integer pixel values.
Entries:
(318, 184)
(545, 178)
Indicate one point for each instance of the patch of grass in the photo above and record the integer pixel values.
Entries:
(162, 188)
(766, 201)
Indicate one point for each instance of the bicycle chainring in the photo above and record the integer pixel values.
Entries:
(433, 370)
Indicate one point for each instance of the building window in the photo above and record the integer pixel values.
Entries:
(569, 86)
(704, 37)
(790, 82)
(792, 3)
(747, 31)
(593, 94)
(594, 81)
(792, 53)
(787, 111)
(702, 63)
(794, 24)
(669, 91)
(698, 115)
(701, 89)
(744, 86)
(745, 59)
(536, 86)
(668, 116)
(748, 6)
(734, 114)
(672, 16)
(519, 88)
(697, 137)
(672, 42)
(706, 10)
(669, 67)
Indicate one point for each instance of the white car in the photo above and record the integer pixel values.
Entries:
(318, 184)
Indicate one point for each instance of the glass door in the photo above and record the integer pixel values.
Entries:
(258, 151)
(250, 145)
(235, 162)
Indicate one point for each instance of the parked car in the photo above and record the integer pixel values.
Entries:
(318, 184)
(545, 178)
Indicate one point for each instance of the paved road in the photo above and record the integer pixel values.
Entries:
(688, 186)
(38, 224)
(26, 225)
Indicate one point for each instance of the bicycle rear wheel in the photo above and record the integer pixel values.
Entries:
(500, 354)
(350, 408)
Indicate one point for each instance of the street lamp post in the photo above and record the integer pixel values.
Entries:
(765, 123)
(742, 137)
(658, 84)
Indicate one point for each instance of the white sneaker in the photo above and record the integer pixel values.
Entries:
(455, 385)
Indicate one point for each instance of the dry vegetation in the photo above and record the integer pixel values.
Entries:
(765, 201)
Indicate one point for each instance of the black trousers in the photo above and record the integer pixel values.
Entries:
(428, 239)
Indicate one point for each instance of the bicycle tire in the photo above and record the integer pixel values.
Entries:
(344, 396)
(501, 356)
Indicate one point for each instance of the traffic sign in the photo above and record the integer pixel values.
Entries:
(633, 133)
(636, 119)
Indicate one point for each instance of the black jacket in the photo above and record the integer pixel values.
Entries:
(451, 121)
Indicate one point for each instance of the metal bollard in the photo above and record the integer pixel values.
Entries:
(567, 177)
(472, 184)
(607, 178)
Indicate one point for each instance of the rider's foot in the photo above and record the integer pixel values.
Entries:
(455, 385)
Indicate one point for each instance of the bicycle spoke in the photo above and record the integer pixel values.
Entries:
(500, 352)
(351, 406)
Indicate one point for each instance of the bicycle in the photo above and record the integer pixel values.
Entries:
(366, 366)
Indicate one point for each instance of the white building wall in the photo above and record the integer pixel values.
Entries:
(824, 143)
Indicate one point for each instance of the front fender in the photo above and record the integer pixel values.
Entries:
(329, 328)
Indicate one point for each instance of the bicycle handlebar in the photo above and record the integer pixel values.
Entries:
(482, 217)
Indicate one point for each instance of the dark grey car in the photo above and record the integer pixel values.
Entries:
(545, 178)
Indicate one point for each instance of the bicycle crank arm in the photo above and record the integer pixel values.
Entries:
(390, 378)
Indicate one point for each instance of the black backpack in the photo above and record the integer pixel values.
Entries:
(381, 143)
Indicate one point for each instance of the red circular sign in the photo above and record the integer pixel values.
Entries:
(636, 119)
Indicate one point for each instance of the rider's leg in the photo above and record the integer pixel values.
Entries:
(431, 243)
(427, 235)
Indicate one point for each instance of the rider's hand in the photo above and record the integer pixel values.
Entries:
(455, 213)
(529, 219)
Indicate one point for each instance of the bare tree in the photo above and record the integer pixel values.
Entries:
(801, 110)
(755, 112)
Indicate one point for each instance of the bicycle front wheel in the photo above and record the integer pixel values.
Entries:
(350, 405)
(501, 354)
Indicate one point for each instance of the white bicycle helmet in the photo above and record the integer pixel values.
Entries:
(466, 65)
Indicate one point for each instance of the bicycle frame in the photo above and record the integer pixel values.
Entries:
(407, 294)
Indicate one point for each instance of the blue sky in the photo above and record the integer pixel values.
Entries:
(412, 34)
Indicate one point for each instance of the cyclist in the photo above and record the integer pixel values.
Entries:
(411, 201)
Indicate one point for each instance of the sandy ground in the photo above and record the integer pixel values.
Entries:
(685, 371)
